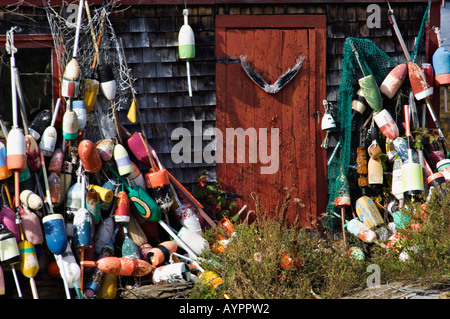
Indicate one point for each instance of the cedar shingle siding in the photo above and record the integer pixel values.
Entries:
(150, 36)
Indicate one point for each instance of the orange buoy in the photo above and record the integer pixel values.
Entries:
(16, 151)
(161, 253)
(89, 156)
(121, 266)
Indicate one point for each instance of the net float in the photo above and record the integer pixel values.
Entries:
(161, 253)
(71, 79)
(122, 212)
(122, 160)
(186, 46)
(39, 123)
(107, 82)
(80, 109)
(195, 241)
(108, 287)
(171, 273)
(89, 156)
(105, 148)
(31, 199)
(104, 234)
(441, 65)
(32, 229)
(29, 265)
(91, 87)
(122, 266)
(93, 205)
(105, 194)
(55, 233)
(95, 277)
(5, 172)
(8, 220)
(9, 253)
(70, 125)
(16, 157)
(386, 124)
(368, 212)
(394, 80)
(50, 135)
(136, 178)
(32, 151)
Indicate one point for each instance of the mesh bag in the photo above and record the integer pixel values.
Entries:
(374, 61)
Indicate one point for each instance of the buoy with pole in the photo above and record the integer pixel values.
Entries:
(441, 65)
(186, 46)
(50, 136)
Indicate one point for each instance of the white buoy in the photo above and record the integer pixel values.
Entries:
(186, 47)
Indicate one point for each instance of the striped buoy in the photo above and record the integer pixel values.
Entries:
(122, 212)
(71, 79)
(16, 150)
(186, 46)
(105, 148)
(50, 135)
(161, 253)
(39, 123)
(107, 82)
(29, 265)
(171, 273)
(70, 125)
(122, 160)
(386, 124)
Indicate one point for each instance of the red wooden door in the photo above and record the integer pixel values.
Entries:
(272, 44)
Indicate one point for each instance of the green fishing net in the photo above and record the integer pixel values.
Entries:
(372, 60)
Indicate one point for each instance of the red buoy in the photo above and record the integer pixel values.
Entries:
(89, 156)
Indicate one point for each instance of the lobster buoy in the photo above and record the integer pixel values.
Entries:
(91, 87)
(55, 233)
(161, 253)
(70, 125)
(136, 144)
(186, 46)
(419, 85)
(50, 135)
(129, 248)
(56, 162)
(107, 82)
(54, 185)
(386, 124)
(441, 64)
(136, 178)
(9, 250)
(368, 212)
(93, 205)
(359, 102)
(5, 172)
(374, 166)
(187, 218)
(89, 156)
(32, 229)
(105, 148)
(361, 231)
(104, 234)
(39, 123)
(158, 184)
(8, 219)
(109, 190)
(397, 184)
(69, 267)
(31, 199)
(171, 273)
(33, 156)
(80, 109)
(105, 194)
(71, 79)
(122, 212)
(95, 278)
(108, 287)
(121, 266)
(371, 92)
(394, 80)
(16, 157)
(195, 241)
(428, 72)
(28, 260)
(82, 223)
(122, 160)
